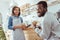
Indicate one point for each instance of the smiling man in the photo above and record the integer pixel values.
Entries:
(50, 26)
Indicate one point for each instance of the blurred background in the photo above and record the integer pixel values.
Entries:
(28, 9)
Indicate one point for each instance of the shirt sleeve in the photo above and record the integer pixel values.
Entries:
(56, 26)
(10, 24)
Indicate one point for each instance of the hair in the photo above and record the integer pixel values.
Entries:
(44, 3)
(14, 9)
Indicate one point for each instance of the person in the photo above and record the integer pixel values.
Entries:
(16, 24)
(49, 24)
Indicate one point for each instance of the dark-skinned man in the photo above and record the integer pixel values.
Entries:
(50, 26)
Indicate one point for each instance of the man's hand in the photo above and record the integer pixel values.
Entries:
(34, 23)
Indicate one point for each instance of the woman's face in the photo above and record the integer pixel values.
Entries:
(16, 11)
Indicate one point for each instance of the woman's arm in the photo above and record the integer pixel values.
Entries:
(10, 23)
(21, 26)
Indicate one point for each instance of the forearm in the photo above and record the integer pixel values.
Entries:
(17, 27)
(22, 26)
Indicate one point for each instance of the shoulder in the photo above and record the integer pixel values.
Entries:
(10, 18)
(49, 14)
(50, 17)
(20, 17)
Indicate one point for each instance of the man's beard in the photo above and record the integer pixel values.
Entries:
(41, 15)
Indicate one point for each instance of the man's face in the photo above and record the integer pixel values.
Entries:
(41, 10)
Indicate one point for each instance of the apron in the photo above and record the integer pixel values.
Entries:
(18, 34)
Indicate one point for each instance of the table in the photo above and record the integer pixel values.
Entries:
(30, 34)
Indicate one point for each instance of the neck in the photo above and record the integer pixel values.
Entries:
(16, 15)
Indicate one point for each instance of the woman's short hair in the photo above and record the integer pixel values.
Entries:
(14, 9)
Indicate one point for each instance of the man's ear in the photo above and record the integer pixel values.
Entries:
(45, 9)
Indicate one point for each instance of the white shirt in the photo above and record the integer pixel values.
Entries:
(49, 24)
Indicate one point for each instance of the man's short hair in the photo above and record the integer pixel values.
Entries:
(44, 3)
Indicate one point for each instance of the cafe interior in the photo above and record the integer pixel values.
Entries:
(28, 13)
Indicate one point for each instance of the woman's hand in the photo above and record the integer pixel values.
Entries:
(15, 27)
(34, 23)
(21, 26)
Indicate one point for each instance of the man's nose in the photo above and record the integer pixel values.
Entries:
(39, 10)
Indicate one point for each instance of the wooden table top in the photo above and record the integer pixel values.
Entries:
(30, 34)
